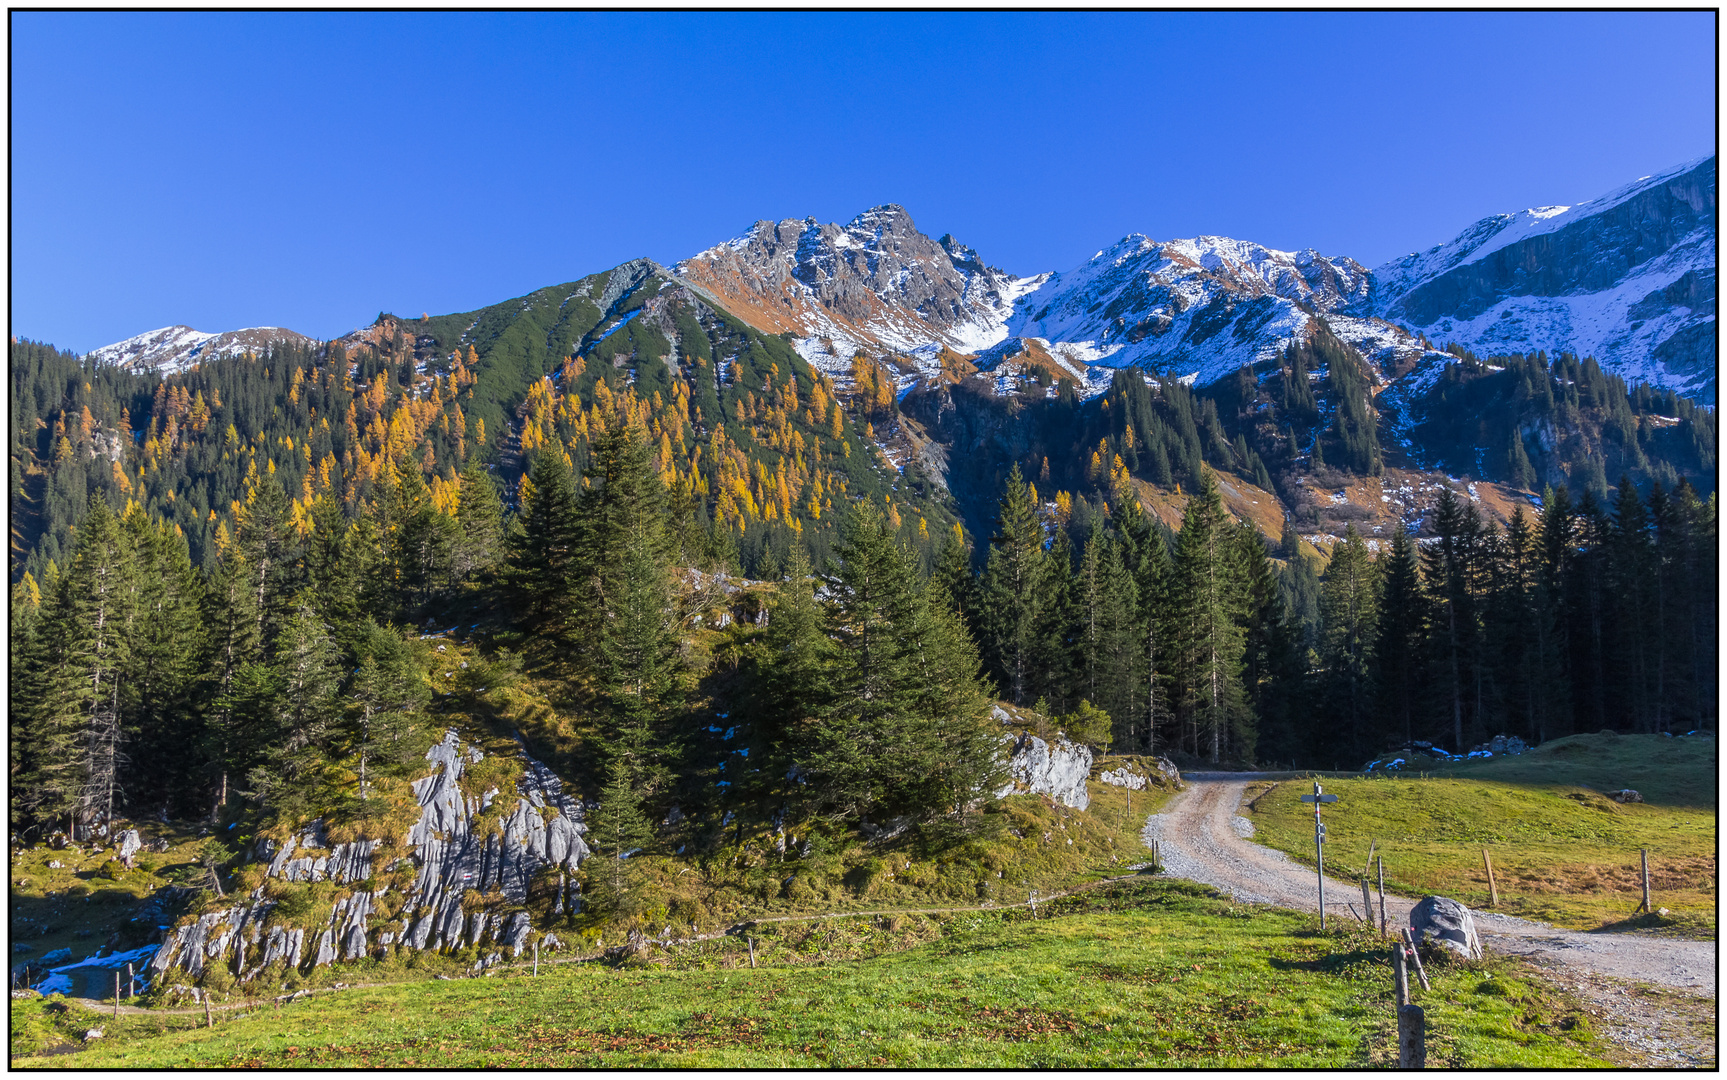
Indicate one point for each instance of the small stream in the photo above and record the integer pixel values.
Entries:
(93, 977)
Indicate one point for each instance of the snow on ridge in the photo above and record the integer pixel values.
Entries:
(173, 349)
(1497, 231)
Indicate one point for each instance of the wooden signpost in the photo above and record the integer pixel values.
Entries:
(1318, 799)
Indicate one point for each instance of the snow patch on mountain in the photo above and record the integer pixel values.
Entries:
(174, 349)
(1490, 234)
(1628, 278)
(1202, 306)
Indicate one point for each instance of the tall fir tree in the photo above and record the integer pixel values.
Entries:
(1208, 613)
(1013, 588)
(1349, 621)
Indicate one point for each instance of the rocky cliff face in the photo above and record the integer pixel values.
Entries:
(1055, 767)
(458, 851)
(1628, 278)
(875, 282)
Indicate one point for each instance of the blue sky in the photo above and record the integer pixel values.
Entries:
(309, 170)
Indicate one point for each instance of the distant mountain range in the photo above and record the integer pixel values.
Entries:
(1628, 278)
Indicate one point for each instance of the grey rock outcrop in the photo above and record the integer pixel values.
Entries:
(1139, 774)
(130, 845)
(452, 858)
(1057, 768)
(1449, 922)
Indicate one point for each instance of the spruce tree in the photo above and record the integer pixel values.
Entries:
(388, 696)
(1349, 618)
(1146, 558)
(625, 615)
(295, 694)
(1451, 570)
(1013, 588)
(540, 547)
(953, 573)
(796, 663)
(618, 829)
(162, 705)
(480, 520)
(873, 598)
(76, 729)
(1401, 638)
(1208, 610)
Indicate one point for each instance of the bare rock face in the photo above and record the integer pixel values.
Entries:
(130, 845)
(1449, 922)
(876, 280)
(542, 829)
(1057, 768)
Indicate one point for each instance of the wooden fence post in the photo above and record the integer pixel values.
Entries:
(752, 942)
(1367, 901)
(536, 959)
(1415, 955)
(1492, 885)
(1372, 847)
(208, 1022)
(116, 994)
(1400, 969)
(1645, 907)
(1411, 1037)
(131, 982)
(1384, 926)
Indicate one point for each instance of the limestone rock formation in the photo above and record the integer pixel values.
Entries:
(451, 857)
(1137, 774)
(1057, 768)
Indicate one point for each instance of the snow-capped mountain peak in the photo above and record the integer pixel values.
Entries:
(176, 348)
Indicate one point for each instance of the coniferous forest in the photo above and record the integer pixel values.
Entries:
(221, 578)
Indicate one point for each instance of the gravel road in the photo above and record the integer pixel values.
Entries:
(1203, 837)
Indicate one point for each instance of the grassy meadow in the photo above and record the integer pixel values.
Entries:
(1146, 973)
(1562, 851)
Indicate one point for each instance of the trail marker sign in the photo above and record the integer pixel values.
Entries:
(1319, 798)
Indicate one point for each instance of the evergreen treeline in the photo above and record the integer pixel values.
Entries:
(1584, 618)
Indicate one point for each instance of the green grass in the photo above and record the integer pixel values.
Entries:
(1143, 974)
(1562, 852)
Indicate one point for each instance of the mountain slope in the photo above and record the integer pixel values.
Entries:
(1628, 278)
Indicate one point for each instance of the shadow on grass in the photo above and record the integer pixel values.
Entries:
(1333, 963)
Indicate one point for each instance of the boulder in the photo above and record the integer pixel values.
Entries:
(1449, 922)
(1625, 795)
(130, 845)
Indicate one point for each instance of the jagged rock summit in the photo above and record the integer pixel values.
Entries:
(874, 282)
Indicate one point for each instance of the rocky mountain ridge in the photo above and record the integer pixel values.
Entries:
(1628, 277)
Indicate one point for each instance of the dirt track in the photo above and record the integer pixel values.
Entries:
(1203, 838)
